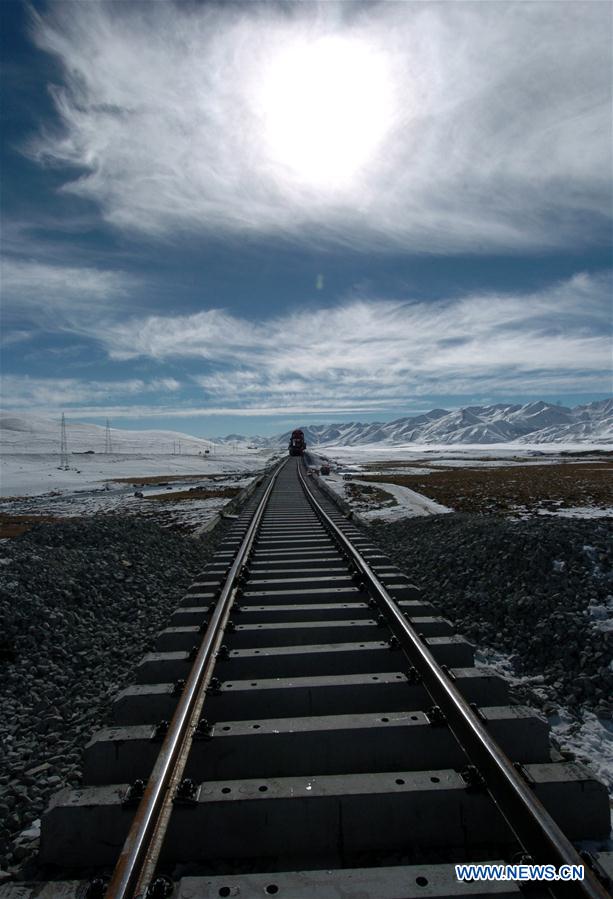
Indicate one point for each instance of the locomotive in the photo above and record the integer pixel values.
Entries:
(297, 444)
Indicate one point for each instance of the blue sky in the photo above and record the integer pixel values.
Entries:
(244, 217)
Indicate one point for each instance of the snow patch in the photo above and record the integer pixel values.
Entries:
(408, 503)
(589, 738)
(602, 615)
(579, 512)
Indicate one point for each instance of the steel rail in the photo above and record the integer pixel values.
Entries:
(136, 864)
(531, 823)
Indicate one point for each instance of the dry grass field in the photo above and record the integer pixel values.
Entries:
(163, 479)
(365, 496)
(194, 493)
(509, 490)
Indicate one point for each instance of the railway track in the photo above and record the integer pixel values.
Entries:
(309, 726)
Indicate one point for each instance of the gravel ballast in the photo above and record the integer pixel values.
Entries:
(80, 602)
(540, 589)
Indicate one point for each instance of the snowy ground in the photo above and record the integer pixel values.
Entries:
(32, 474)
(389, 502)
(462, 453)
(32, 483)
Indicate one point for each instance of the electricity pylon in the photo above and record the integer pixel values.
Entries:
(63, 446)
(108, 446)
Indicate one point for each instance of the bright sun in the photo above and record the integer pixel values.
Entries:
(326, 107)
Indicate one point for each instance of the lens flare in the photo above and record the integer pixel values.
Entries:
(326, 106)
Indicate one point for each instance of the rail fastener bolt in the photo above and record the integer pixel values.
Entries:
(134, 793)
(160, 888)
(187, 792)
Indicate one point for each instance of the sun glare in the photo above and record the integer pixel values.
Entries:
(326, 106)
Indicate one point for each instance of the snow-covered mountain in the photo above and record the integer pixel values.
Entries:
(243, 440)
(537, 422)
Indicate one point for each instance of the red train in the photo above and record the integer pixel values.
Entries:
(297, 444)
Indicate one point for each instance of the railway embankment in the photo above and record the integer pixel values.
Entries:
(539, 589)
(536, 597)
(80, 602)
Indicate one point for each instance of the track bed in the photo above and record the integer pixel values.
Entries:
(319, 761)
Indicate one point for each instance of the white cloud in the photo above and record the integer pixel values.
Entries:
(13, 337)
(40, 394)
(50, 295)
(378, 353)
(58, 402)
(498, 135)
(169, 384)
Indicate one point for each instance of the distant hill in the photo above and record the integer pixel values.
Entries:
(25, 433)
